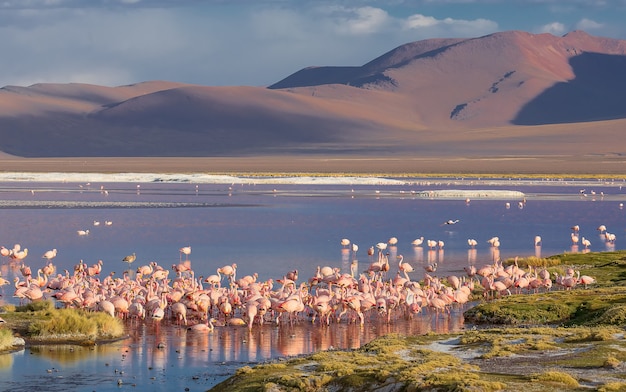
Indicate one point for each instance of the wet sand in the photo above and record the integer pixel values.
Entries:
(565, 165)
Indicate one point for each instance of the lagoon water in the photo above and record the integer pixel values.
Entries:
(270, 226)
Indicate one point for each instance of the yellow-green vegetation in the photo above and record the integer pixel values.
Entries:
(40, 321)
(612, 387)
(392, 362)
(6, 339)
(552, 377)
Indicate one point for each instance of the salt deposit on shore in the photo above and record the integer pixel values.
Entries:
(196, 178)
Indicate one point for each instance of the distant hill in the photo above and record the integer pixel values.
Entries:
(506, 93)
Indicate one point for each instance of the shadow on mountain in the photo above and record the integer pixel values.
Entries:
(597, 92)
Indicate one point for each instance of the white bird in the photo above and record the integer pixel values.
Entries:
(130, 258)
(586, 243)
(451, 222)
(381, 246)
(537, 240)
(186, 250)
(83, 232)
(50, 254)
(355, 248)
(472, 242)
(345, 242)
(418, 241)
(601, 229)
(96, 223)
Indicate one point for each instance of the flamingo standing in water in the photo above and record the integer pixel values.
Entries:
(537, 240)
(130, 258)
(50, 254)
(186, 250)
(418, 241)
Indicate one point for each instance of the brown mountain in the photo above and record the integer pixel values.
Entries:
(505, 94)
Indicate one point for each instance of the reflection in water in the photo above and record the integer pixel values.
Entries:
(471, 256)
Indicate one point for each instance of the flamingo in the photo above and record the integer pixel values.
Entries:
(82, 232)
(179, 312)
(404, 267)
(185, 250)
(537, 240)
(229, 271)
(601, 229)
(106, 307)
(586, 243)
(345, 242)
(203, 327)
(21, 254)
(50, 254)
(130, 258)
(472, 243)
(418, 241)
(451, 222)
(585, 279)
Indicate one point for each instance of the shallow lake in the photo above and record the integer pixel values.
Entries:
(270, 229)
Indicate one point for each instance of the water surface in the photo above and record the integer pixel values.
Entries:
(269, 229)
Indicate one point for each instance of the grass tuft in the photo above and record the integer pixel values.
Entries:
(556, 377)
(6, 339)
(76, 324)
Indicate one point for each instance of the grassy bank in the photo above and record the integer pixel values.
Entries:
(40, 322)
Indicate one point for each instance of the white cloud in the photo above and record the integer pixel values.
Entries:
(554, 28)
(419, 21)
(449, 26)
(588, 24)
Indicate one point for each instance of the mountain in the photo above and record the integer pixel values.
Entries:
(508, 93)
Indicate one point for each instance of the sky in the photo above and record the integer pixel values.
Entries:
(253, 42)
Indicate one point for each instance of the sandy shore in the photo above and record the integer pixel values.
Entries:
(591, 165)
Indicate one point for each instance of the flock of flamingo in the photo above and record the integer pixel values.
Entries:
(385, 289)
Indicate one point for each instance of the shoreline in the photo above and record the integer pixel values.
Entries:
(397, 166)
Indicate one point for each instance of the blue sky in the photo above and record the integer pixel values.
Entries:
(253, 42)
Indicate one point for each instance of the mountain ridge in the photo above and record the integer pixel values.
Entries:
(429, 97)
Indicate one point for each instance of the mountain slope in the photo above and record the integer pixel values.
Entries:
(439, 96)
